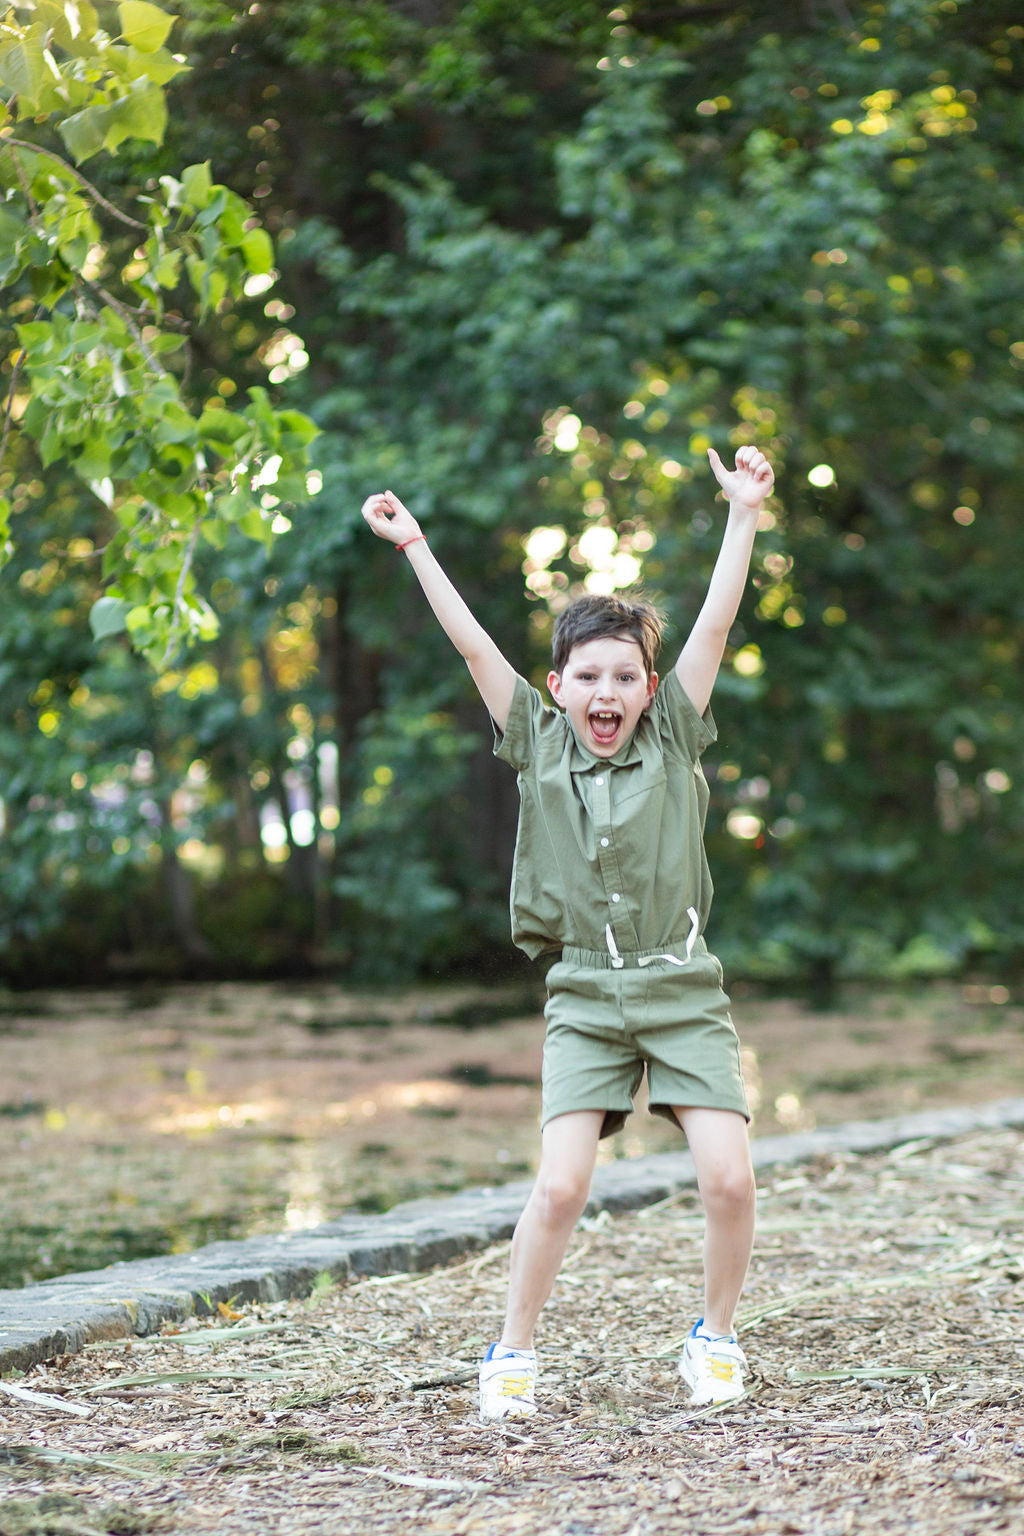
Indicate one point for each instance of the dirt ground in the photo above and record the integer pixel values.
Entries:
(882, 1321)
(193, 1113)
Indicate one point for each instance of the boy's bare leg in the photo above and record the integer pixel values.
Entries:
(556, 1203)
(720, 1146)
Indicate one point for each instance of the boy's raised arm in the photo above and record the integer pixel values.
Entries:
(494, 676)
(745, 489)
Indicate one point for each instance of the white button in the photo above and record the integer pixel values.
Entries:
(616, 897)
(599, 782)
(604, 842)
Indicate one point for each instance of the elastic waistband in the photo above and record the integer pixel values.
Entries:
(601, 960)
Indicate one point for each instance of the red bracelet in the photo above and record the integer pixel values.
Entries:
(413, 540)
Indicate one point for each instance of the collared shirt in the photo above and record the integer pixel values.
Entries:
(608, 842)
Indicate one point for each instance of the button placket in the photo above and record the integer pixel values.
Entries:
(608, 863)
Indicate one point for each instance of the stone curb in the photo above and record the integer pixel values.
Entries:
(138, 1297)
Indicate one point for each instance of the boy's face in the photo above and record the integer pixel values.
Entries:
(604, 690)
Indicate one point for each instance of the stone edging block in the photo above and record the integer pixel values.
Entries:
(137, 1297)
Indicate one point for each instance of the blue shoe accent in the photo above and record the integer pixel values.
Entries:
(508, 1353)
(698, 1331)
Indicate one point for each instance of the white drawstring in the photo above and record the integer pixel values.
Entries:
(609, 937)
(618, 962)
(690, 941)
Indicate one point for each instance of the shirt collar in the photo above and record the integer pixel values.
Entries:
(582, 759)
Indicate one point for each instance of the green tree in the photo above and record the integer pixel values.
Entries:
(541, 260)
(98, 306)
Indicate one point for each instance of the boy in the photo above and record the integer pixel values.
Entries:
(610, 870)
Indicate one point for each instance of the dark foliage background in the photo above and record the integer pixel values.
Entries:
(533, 260)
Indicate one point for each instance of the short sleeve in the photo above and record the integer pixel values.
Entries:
(516, 744)
(678, 722)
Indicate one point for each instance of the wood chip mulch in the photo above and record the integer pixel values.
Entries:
(882, 1320)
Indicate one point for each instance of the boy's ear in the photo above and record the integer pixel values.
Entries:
(555, 686)
(652, 688)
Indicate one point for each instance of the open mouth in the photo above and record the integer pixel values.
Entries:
(604, 725)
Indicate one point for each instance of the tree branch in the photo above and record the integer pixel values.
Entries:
(9, 411)
(127, 316)
(7, 143)
(179, 592)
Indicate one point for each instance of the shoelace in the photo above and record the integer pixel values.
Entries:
(513, 1386)
(722, 1368)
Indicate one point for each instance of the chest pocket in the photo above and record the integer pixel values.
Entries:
(629, 783)
(638, 801)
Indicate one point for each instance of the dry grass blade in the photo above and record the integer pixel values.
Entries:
(42, 1400)
(123, 1463)
(176, 1378)
(432, 1484)
(865, 1285)
(202, 1337)
(57, 1514)
(861, 1373)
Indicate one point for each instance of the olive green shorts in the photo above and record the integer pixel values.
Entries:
(606, 1026)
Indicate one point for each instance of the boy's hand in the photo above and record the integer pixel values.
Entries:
(750, 482)
(389, 519)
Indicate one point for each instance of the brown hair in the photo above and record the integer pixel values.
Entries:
(598, 615)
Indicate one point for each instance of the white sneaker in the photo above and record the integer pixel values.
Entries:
(712, 1365)
(506, 1385)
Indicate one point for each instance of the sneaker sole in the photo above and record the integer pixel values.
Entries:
(513, 1411)
(698, 1400)
(703, 1396)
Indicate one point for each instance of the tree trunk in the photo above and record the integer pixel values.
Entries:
(178, 886)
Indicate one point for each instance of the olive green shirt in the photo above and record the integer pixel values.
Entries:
(613, 841)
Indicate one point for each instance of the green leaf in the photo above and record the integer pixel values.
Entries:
(174, 425)
(22, 72)
(142, 114)
(179, 507)
(296, 428)
(93, 463)
(255, 526)
(74, 23)
(13, 232)
(209, 283)
(215, 532)
(108, 616)
(137, 618)
(159, 67)
(84, 132)
(258, 250)
(232, 220)
(167, 269)
(215, 207)
(52, 445)
(207, 624)
(197, 184)
(143, 25)
(220, 430)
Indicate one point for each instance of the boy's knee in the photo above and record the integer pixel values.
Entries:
(562, 1194)
(730, 1188)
